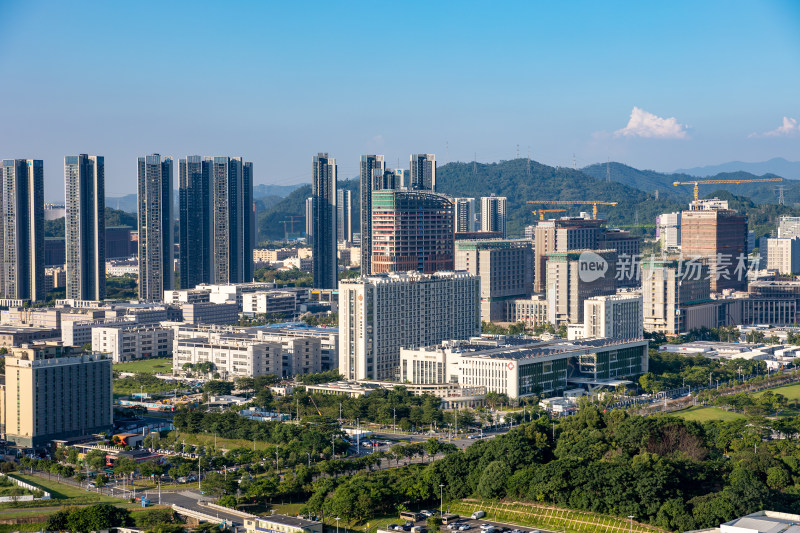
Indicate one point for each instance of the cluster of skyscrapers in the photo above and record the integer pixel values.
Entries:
(216, 225)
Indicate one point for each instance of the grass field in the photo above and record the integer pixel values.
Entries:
(196, 439)
(161, 365)
(62, 491)
(706, 414)
(792, 392)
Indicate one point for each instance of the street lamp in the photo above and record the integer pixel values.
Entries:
(441, 500)
(630, 517)
(337, 524)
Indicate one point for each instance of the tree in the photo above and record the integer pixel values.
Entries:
(218, 388)
(493, 481)
(58, 521)
(154, 518)
(434, 523)
(97, 517)
(215, 484)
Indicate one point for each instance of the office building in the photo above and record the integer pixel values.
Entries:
(574, 276)
(561, 235)
(668, 230)
(519, 367)
(186, 296)
(718, 237)
(132, 342)
(709, 203)
(669, 286)
(411, 230)
(783, 255)
(372, 172)
(85, 226)
(55, 278)
(344, 216)
(22, 230)
(379, 314)
(156, 271)
(55, 392)
(277, 302)
(422, 175)
(617, 316)
(493, 214)
(323, 231)
(210, 313)
(788, 227)
(505, 268)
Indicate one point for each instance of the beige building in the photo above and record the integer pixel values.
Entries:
(573, 277)
(505, 268)
(783, 255)
(560, 235)
(530, 311)
(263, 255)
(132, 342)
(668, 287)
(55, 392)
(54, 278)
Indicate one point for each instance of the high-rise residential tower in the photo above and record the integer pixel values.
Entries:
(309, 219)
(84, 226)
(156, 272)
(22, 230)
(344, 216)
(194, 216)
(217, 225)
(372, 166)
(493, 214)
(323, 194)
(232, 219)
(464, 218)
(423, 172)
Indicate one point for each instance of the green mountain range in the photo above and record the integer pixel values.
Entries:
(521, 181)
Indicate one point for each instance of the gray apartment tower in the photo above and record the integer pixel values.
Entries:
(323, 237)
(22, 230)
(84, 226)
(156, 272)
(423, 172)
(371, 167)
(493, 214)
(216, 228)
(464, 218)
(344, 216)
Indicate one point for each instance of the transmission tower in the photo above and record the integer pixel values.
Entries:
(781, 200)
(517, 150)
(475, 164)
(656, 194)
(574, 162)
(608, 170)
(529, 161)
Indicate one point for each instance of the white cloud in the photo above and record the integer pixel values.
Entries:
(644, 124)
(789, 128)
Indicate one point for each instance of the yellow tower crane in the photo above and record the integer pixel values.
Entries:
(542, 212)
(697, 184)
(593, 203)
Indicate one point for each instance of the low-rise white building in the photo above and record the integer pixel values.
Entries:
(210, 313)
(269, 303)
(131, 343)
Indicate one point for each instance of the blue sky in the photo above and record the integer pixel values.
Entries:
(277, 82)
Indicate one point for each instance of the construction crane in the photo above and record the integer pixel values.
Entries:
(697, 183)
(291, 222)
(542, 212)
(593, 203)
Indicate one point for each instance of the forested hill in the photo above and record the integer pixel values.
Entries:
(651, 181)
(506, 178)
(513, 180)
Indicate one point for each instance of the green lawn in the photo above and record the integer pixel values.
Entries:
(792, 392)
(62, 491)
(706, 414)
(161, 365)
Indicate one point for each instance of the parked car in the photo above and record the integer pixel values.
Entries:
(464, 527)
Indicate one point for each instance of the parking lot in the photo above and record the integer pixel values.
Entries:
(464, 523)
